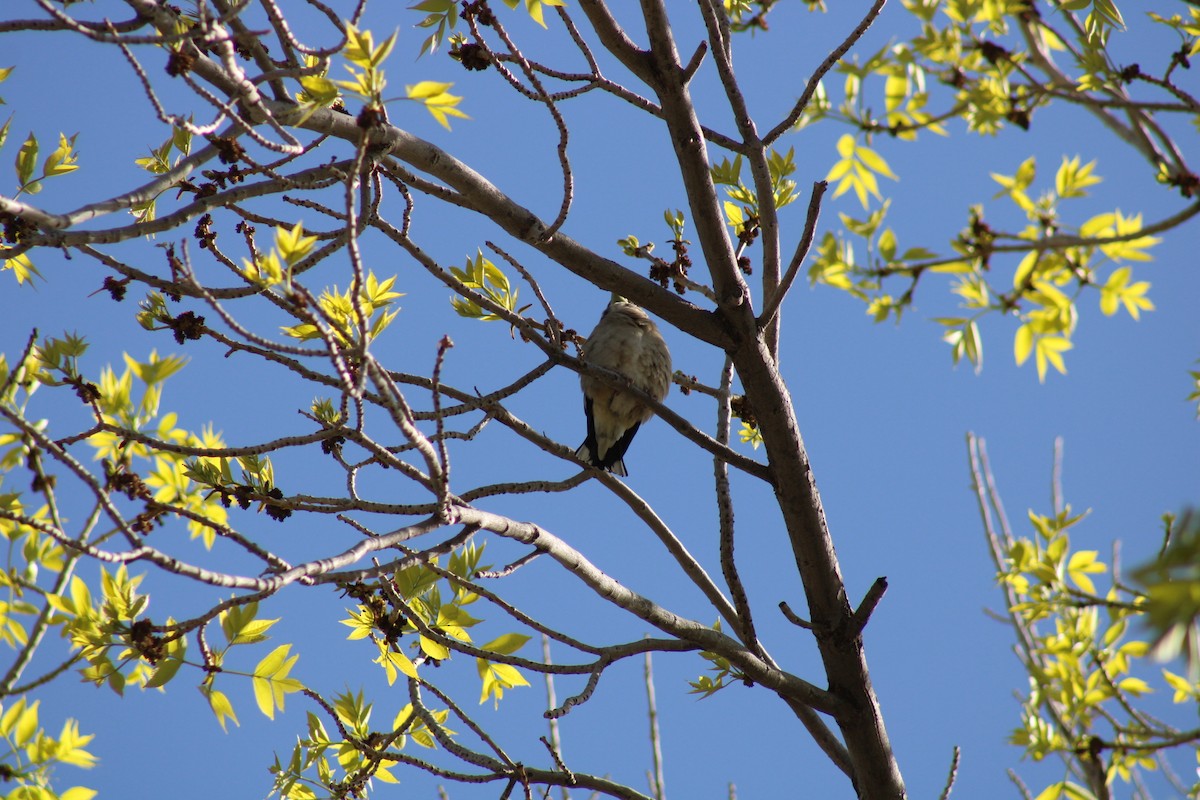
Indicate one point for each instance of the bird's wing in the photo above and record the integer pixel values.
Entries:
(587, 450)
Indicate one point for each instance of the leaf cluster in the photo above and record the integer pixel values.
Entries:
(1086, 670)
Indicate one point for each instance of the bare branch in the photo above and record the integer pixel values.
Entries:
(830, 61)
(657, 778)
(862, 614)
(950, 778)
(775, 301)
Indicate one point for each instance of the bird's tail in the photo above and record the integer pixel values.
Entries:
(586, 453)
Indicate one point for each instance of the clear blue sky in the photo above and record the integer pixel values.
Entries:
(882, 411)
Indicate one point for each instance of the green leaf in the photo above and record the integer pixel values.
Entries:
(181, 138)
(973, 345)
(254, 632)
(727, 173)
(235, 619)
(1109, 11)
(27, 163)
(887, 245)
(442, 15)
(62, 160)
(164, 673)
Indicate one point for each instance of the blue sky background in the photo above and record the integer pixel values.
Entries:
(883, 413)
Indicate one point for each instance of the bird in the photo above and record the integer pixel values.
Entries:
(626, 341)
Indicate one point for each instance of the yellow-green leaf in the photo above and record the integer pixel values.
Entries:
(437, 100)
(435, 650)
(27, 724)
(1049, 351)
(507, 644)
(78, 793)
(1118, 291)
(1185, 690)
(22, 268)
(1135, 686)
(1080, 564)
(70, 746)
(62, 160)
(1023, 343)
(163, 673)
(874, 162)
(220, 706)
(275, 661)
(535, 8)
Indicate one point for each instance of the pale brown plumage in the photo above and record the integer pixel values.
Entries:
(625, 341)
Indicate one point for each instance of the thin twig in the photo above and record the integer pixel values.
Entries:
(1020, 784)
(554, 745)
(1056, 491)
(792, 617)
(444, 478)
(950, 778)
(830, 60)
(657, 779)
(810, 226)
(862, 614)
(725, 516)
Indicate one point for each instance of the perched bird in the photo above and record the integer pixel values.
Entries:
(625, 341)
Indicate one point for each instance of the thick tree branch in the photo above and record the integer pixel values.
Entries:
(875, 772)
